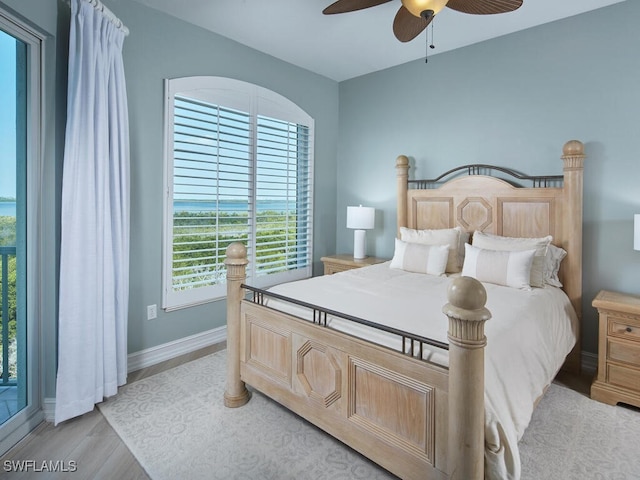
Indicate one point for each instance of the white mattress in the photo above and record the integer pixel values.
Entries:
(528, 337)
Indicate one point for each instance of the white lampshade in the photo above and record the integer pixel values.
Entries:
(361, 218)
(636, 231)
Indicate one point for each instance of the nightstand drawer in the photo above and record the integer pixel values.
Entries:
(624, 377)
(340, 263)
(621, 327)
(334, 268)
(621, 351)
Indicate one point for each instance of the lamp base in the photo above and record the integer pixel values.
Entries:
(358, 244)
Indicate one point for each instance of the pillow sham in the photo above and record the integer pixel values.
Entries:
(502, 267)
(513, 244)
(552, 262)
(443, 236)
(419, 258)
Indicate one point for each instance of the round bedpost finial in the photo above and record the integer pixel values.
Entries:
(466, 311)
(236, 253)
(402, 161)
(467, 293)
(236, 250)
(573, 147)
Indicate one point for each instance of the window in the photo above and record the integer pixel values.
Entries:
(239, 167)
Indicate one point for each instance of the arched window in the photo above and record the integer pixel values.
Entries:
(239, 167)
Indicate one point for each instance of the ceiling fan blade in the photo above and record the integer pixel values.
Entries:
(344, 6)
(407, 26)
(484, 7)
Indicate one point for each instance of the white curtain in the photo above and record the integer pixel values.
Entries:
(94, 256)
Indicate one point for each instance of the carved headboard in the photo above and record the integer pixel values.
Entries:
(551, 206)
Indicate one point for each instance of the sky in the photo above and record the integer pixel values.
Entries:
(7, 115)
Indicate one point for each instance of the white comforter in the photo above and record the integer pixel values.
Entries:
(528, 337)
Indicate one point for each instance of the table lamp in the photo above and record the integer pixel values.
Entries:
(360, 219)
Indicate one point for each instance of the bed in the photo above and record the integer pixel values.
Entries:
(403, 381)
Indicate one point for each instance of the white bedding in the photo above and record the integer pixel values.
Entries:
(528, 337)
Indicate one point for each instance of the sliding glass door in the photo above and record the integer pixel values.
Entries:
(12, 232)
(20, 112)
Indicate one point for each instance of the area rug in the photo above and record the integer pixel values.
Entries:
(571, 437)
(176, 426)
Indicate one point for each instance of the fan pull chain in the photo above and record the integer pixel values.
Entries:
(426, 47)
(429, 45)
(432, 23)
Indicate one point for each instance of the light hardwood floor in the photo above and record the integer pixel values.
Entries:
(88, 441)
(98, 451)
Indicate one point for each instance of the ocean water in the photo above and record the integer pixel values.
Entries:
(230, 206)
(7, 209)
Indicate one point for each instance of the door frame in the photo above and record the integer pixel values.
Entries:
(29, 417)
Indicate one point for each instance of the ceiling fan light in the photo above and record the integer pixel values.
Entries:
(416, 7)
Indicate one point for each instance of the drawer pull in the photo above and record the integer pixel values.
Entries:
(629, 329)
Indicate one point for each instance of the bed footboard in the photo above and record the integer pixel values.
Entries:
(414, 418)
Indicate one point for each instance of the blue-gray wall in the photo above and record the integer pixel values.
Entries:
(512, 101)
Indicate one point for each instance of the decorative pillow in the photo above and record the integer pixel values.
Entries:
(513, 244)
(443, 236)
(509, 268)
(552, 262)
(418, 258)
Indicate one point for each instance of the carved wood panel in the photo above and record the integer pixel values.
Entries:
(432, 213)
(474, 213)
(394, 407)
(269, 349)
(319, 373)
(526, 217)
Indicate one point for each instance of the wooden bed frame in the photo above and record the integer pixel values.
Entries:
(412, 417)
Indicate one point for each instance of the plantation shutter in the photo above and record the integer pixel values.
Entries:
(211, 190)
(282, 177)
(234, 174)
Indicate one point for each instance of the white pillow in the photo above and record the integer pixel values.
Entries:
(512, 269)
(418, 258)
(443, 236)
(513, 244)
(552, 262)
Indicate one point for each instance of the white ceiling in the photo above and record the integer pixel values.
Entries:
(351, 44)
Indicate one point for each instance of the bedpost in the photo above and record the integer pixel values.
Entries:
(573, 158)
(402, 172)
(467, 315)
(236, 394)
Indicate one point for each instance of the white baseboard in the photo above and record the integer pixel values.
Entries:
(152, 356)
(167, 351)
(49, 409)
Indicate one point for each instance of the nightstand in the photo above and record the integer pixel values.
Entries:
(340, 263)
(618, 378)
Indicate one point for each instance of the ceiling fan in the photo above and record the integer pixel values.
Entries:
(414, 15)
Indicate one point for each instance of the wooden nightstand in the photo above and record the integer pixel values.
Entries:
(340, 263)
(618, 378)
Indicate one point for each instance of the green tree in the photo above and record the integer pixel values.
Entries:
(8, 239)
